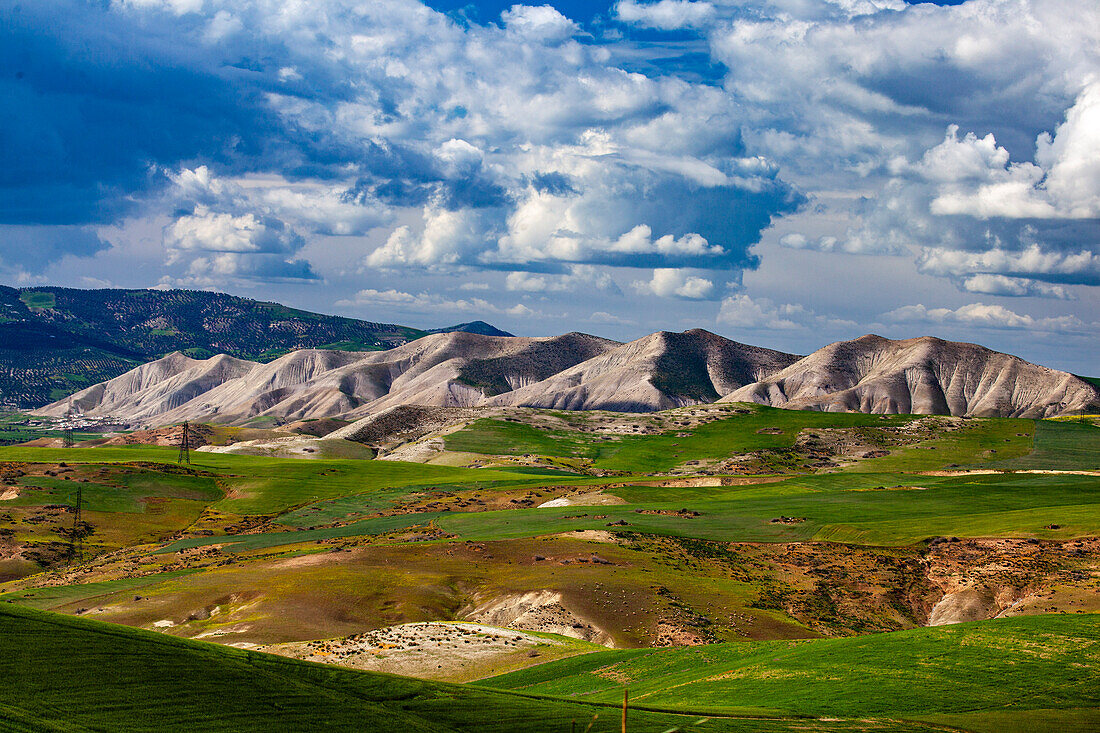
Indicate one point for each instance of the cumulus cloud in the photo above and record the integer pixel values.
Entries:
(666, 14)
(675, 283)
(742, 311)
(514, 143)
(178, 7)
(578, 277)
(543, 22)
(217, 247)
(611, 318)
(1013, 287)
(975, 176)
(1034, 262)
(254, 217)
(428, 302)
(320, 207)
(982, 315)
(447, 237)
(533, 142)
(217, 232)
(854, 111)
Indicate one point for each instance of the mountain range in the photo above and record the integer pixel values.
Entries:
(581, 372)
(55, 341)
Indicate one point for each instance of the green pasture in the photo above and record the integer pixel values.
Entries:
(738, 433)
(861, 506)
(38, 300)
(999, 667)
(358, 505)
(1067, 445)
(870, 509)
(761, 429)
(977, 442)
(54, 596)
(129, 497)
(73, 674)
(265, 485)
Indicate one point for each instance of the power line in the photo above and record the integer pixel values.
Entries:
(67, 435)
(185, 447)
(76, 538)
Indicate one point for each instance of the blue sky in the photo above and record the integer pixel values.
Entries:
(783, 172)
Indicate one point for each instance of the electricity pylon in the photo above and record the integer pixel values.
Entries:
(185, 447)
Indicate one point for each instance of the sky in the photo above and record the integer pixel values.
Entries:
(786, 173)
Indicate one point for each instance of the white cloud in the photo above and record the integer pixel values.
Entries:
(543, 23)
(577, 277)
(316, 206)
(826, 243)
(639, 241)
(209, 231)
(853, 110)
(742, 311)
(429, 302)
(977, 179)
(221, 26)
(982, 315)
(666, 14)
(446, 238)
(676, 283)
(460, 146)
(605, 317)
(178, 7)
(1034, 261)
(990, 284)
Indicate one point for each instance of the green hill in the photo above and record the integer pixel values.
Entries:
(984, 673)
(54, 341)
(71, 674)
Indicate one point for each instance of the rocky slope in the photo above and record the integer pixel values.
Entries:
(922, 376)
(655, 372)
(581, 372)
(448, 369)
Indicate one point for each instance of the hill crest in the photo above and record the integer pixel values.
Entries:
(922, 375)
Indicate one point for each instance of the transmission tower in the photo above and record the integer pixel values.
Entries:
(76, 539)
(67, 435)
(185, 447)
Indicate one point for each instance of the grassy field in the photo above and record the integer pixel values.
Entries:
(747, 428)
(263, 485)
(265, 550)
(759, 428)
(53, 669)
(1003, 668)
(874, 509)
(1059, 445)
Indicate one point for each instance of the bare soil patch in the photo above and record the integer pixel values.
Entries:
(432, 650)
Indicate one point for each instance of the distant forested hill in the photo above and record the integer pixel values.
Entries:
(54, 341)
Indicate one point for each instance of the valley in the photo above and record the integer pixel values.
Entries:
(530, 527)
(463, 543)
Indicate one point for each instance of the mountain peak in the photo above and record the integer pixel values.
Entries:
(479, 327)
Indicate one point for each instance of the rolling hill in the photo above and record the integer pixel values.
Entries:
(160, 683)
(994, 671)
